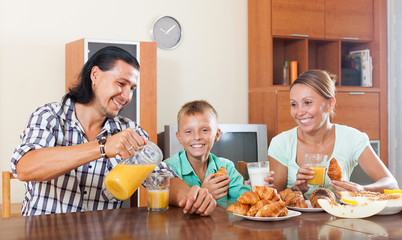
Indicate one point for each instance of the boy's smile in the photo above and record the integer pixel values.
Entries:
(198, 133)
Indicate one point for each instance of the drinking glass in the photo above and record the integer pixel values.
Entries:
(319, 164)
(157, 185)
(257, 171)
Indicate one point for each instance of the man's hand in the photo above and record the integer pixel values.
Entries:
(198, 200)
(218, 187)
(125, 143)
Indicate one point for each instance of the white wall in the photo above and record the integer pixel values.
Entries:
(395, 88)
(211, 62)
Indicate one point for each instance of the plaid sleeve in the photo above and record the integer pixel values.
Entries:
(163, 167)
(37, 134)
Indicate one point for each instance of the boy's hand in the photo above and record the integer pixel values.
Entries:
(198, 200)
(218, 187)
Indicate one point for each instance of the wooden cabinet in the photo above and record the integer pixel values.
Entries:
(298, 18)
(360, 110)
(271, 43)
(331, 19)
(348, 19)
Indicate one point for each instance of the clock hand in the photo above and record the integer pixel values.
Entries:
(170, 29)
(162, 30)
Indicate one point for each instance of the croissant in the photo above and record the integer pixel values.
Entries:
(238, 208)
(271, 210)
(321, 193)
(221, 172)
(293, 197)
(267, 193)
(254, 209)
(283, 213)
(249, 197)
(334, 170)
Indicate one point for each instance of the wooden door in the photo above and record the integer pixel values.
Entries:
(298, 17)
(359, 110)
(285, 121)
(349, 19)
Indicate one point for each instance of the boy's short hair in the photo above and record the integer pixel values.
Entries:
(194, 107)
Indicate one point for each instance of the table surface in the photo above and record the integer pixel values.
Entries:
(138, 223)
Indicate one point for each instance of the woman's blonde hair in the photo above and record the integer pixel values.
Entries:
(196, 107)
(319, 80)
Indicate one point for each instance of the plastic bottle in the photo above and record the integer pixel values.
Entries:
(285, 73)
(293, 71)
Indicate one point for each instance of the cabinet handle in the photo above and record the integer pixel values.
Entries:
(350, 38)
(300, 35)
(357, 93)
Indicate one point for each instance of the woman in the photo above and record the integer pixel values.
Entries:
(312, 100)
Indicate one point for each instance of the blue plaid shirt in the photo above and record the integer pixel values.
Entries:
(83, 188)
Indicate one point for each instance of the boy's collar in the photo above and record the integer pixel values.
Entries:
(187, 168)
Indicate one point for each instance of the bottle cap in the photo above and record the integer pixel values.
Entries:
(286, 63)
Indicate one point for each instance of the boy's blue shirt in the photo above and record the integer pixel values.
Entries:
(180, 164)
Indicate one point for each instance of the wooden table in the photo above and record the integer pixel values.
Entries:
(138, 223)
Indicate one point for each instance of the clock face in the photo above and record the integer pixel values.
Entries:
(166, 32)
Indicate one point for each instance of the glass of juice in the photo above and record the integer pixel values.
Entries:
(319, 164)
(127, 176)
(157, 185)
(257, 171)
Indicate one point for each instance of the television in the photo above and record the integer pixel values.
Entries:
(238, 142)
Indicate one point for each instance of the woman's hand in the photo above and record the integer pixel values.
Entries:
(218, 187)
(303, 174)
(340, 186)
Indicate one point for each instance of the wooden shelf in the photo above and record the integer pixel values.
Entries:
(349, 25)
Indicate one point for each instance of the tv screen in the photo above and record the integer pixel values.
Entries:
(237, 146)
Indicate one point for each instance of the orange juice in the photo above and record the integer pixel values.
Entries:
(123, 180)
(318, 177)
(158, 198)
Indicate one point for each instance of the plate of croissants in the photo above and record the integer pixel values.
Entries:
(262, 204)
(290, 214)
(295, 200)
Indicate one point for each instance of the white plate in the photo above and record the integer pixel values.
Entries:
(308, 209)
(271, 219)
(388, 210)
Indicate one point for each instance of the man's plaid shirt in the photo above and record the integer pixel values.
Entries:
(83, 188)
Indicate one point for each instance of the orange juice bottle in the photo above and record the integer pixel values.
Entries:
(123, 180)
(128, 175)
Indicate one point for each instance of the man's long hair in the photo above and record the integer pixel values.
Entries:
(105, 59)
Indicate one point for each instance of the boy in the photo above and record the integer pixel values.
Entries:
(197, 132)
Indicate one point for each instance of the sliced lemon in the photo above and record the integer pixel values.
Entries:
(389, 191)
(347, 198)
(349, 201)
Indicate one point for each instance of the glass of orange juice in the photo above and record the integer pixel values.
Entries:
(319, 164)
(157, 185)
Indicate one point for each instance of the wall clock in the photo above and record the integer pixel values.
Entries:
(167, 32)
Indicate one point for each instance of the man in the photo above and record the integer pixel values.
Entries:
(68, 148)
